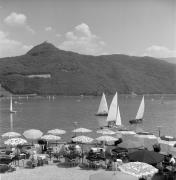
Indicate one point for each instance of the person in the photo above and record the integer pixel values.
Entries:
(172, 159)
(34, 158)
(102, 154)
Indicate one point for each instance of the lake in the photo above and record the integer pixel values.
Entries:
(61, 112)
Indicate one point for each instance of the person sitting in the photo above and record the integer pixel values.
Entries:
(172, 160)
(102, 154)
(34, 158)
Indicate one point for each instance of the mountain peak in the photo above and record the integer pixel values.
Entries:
(44, 48)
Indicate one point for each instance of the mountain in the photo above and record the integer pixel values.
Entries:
(170, 60)
(46, 69)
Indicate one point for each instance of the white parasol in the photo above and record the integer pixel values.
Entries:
(106, 131)
(56, 131)
(106, 138)
(82, 130)
(51, 137)
(32, 134)
(11, 134)
(126, 132)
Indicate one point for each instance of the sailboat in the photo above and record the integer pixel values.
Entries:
(140, 113)
(112, 114)
(103, 107)
(11, 106)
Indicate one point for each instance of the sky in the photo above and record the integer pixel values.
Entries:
(95, 27)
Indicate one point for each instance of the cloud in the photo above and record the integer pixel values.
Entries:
(58, 35)
(83, 41)
(18, 20)
(10, 47)
(49, 28)
(159, 52)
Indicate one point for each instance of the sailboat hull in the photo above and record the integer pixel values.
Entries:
(101, 114)
(135, 121)
(12, 111)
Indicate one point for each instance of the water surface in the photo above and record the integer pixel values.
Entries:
(61, 112)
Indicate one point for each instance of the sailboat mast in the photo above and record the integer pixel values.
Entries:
(11, 108)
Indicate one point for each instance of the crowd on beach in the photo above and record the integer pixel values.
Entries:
(107, 153)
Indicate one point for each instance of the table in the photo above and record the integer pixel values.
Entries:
(42, 156)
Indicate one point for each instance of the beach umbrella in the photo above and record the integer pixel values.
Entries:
(145, 135)
(148, 139)
(146, 156)
(32, 134)
(168, 138)
(138, 169)
(106, 131)
(82, 139)
(11, 134)
(82, 130)
(50, 137)
(126, 132)
(130, 144)
(166, 142)
(106, 138)
(109, 175)
(56, 131)
(15, 141)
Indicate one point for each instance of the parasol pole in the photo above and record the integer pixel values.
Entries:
(159, 130)
(75, 123)
(82, 153)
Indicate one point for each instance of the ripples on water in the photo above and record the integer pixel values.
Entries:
(61, 112)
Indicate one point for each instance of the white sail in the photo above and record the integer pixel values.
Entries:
(118, 118)
(112, 114)
(140, 112)
(103, 107)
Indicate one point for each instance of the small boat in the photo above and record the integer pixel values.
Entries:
(11, 106)
(103, 107)
(112, 114)
(140, 114)
(133, 94)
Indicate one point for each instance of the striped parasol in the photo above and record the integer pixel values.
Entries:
(138, 169)
(82, 130)
(106, 138)
(106, 131)
(15, 141)
(51, 137)
(11, 134)
(56, 131)
(82, 139)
